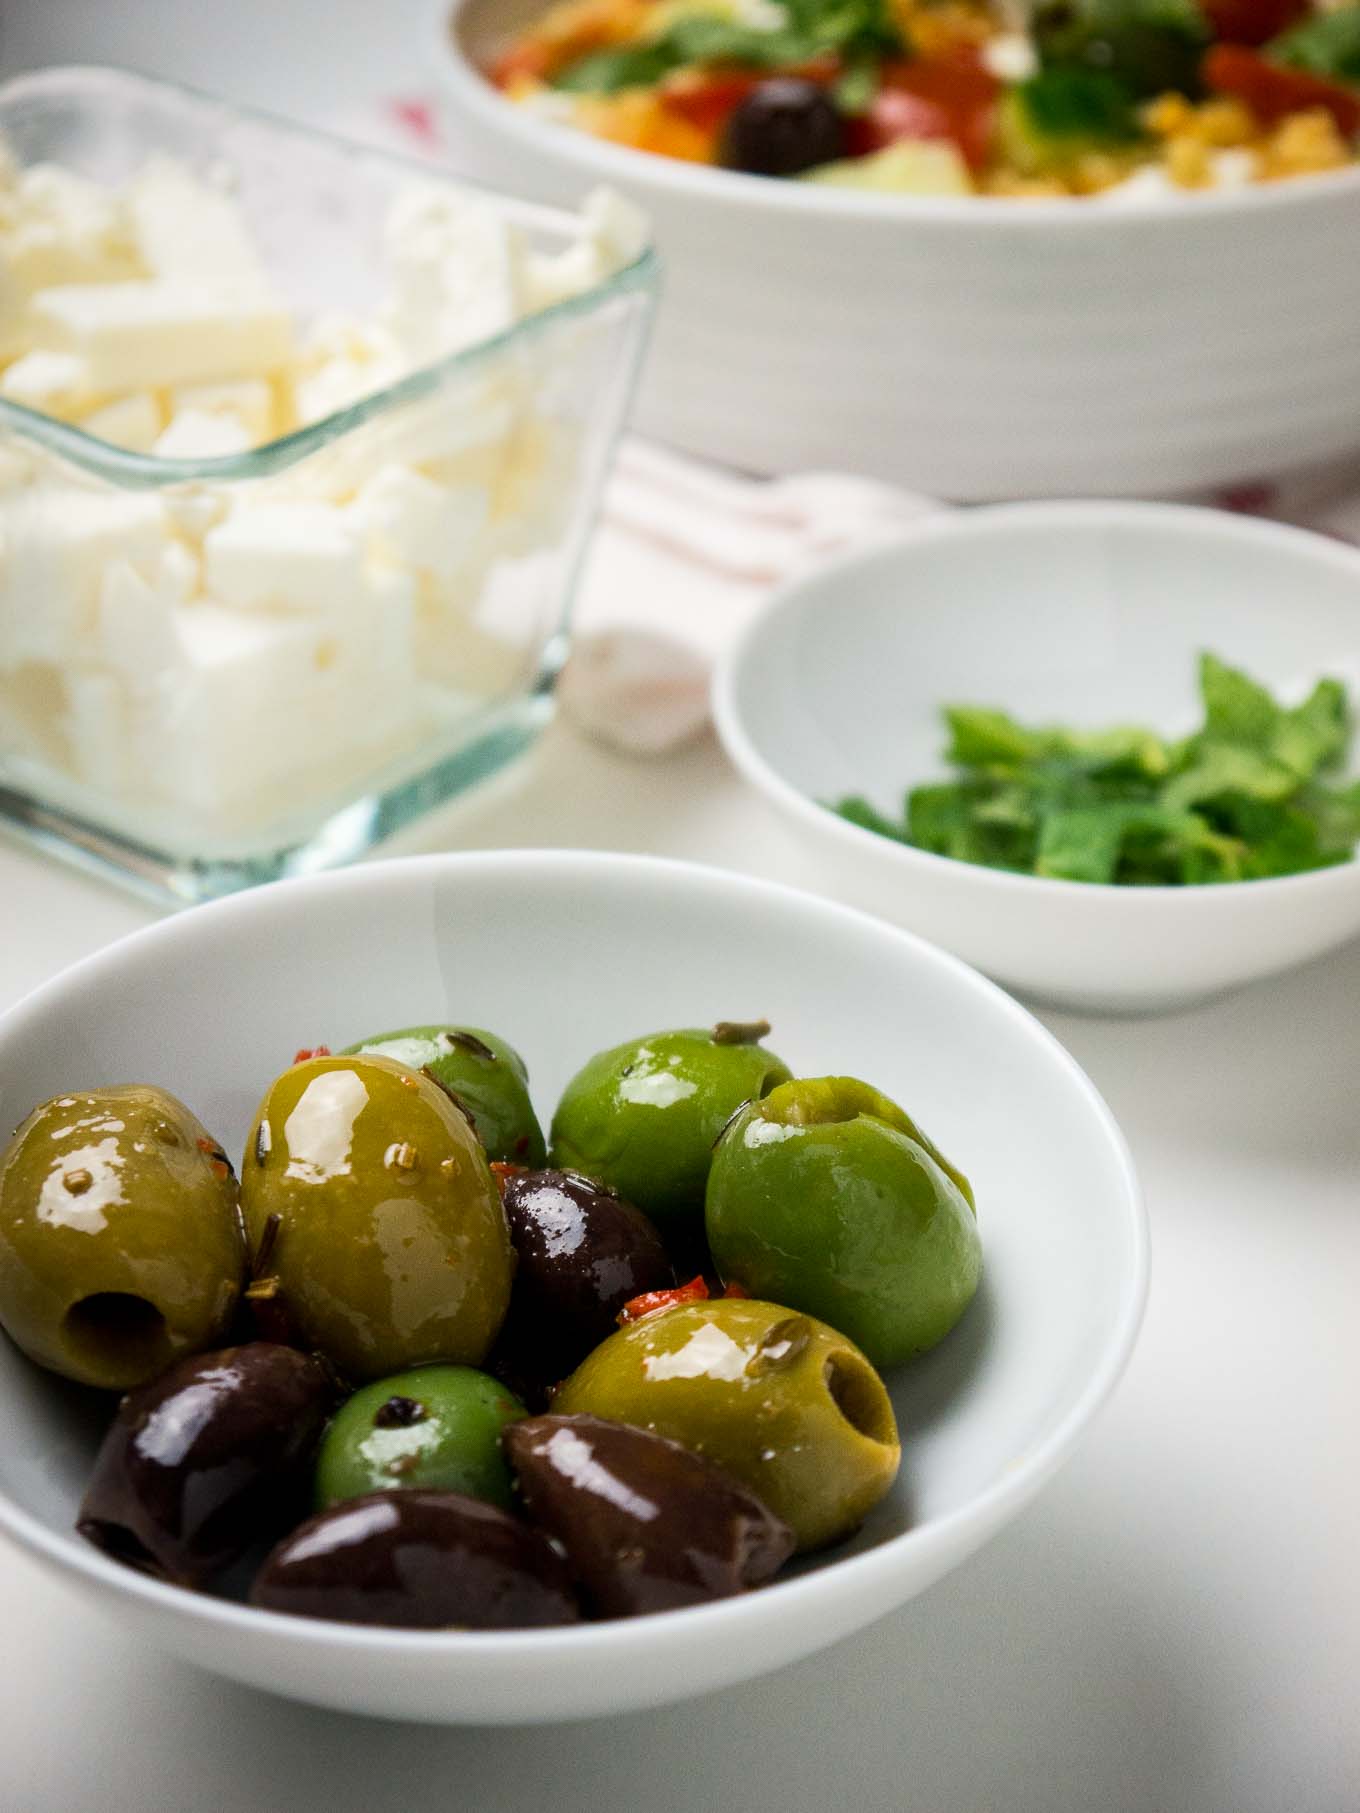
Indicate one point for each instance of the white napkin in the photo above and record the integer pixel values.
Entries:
(684, 556)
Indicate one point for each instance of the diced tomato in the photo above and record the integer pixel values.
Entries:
(304, 1052)
(696, 1291)
(1272, 92)
(706, 100)
(947, 97)
(1252, 21)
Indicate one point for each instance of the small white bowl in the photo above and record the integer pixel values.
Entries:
(1088, 613)
(970, 347)
(566, 953)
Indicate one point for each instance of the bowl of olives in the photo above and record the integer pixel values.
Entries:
(538, 1285)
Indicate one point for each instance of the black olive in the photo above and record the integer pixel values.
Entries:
(206, 1460)
(783, 126)
(418, 1559)
(646, 1524)
(582, 1253)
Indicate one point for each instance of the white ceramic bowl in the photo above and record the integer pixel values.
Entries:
(566, 953)
(969, 347)
(1088, 613)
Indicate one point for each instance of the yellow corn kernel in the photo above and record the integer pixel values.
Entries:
(1305, 143)
(1097, 170)
(1169, 113)
(1224, 124)
(1187, 162)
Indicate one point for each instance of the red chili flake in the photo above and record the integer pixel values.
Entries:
(735, 1290)
(650, 1302)
(301, 1055)
(503, 1172)
(218, 1162)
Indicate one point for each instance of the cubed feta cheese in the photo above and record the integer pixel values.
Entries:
(135, 633)
(133, 336)
(133, 422)
(194, 434)
(289, 556)
(417, 523)
(251, 701)
(57, 541)
(96, 726)
(216, 727)
(248, 402)
(62, 228)
(614, 232)
(189, 229)
(54, 383)
(1010, 57)
(457, 273)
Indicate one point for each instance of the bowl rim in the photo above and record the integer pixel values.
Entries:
(704, 184)
(984, 520)
(953, 1534)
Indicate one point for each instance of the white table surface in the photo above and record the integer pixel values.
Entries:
(1174, 1625)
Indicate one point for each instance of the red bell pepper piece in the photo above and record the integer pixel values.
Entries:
(1272, 92)
(650, 1302)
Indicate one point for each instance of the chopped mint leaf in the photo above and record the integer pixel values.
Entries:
(1242, 799)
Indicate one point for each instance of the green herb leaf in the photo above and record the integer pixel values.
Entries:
(610, 71)
(1328, 44)
(1240, 799)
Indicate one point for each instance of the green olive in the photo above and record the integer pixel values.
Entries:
(791, 1408)
(121, 1245)
(391, 1246)
(488, 1077)
(435, 1426)
(826, 1196)
(642, 1117)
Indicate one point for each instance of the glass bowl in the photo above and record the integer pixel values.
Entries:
(194, 717)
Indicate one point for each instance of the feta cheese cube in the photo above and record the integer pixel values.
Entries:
(133, 422)
(614, 232)
(1010, 57)
(62, 228)
(135, 631)
(343, 360)
(248, 402)
(251, 701)
(417, 523)
(57, 542)
(135, 336)
(290, 556)
(457, 273)
(194, 434)
(55, 383)
(95, 724)
(216, 725)
(186, 228)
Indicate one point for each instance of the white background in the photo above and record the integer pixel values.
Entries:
(1175, 1625)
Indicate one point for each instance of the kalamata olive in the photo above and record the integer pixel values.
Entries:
(206, 1460)
(783, 126)
(423, 1560)
(647, 1525)
(583, 1252)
